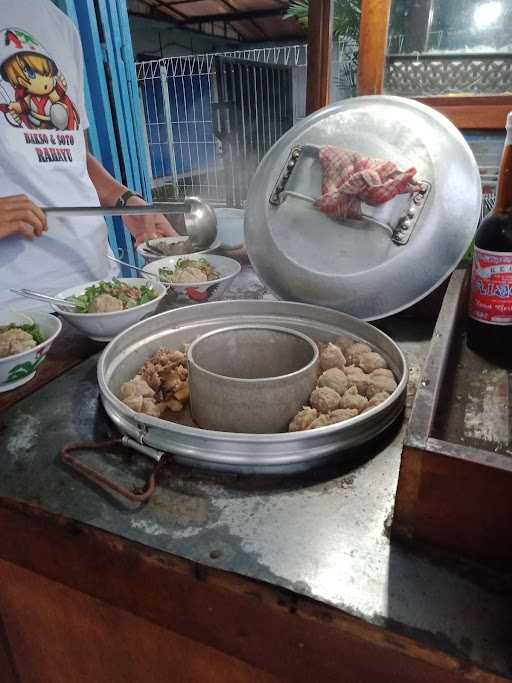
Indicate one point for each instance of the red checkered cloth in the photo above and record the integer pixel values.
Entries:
(350, 179)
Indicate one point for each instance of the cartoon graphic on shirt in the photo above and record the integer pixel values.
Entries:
(37, 88)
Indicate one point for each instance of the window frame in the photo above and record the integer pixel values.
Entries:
(483, 112)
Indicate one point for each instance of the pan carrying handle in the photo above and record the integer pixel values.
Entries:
(400, 233)
(134, 495)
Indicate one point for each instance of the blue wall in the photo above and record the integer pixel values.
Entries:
(113, 108)
(191, 120)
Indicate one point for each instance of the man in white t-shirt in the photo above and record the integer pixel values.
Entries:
(44, 160)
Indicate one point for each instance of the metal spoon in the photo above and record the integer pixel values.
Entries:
(39, 296)
(140, 270)
(129, 265)
(200, 218)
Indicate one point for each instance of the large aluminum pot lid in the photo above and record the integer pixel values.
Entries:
(361, 267)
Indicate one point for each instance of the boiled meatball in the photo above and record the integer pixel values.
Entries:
(321, 421)
(355, 351)
(325, 399)
(332, 418)
(343, 343)
(334, 378)
(303, 419)
(15, 341)
(379, 384)
(358, 378)
(189, 275)
(342, 414)
(105, 303)
(368, 362)
(352, 400)
(331, 357)
(377, 399)
(382, 372)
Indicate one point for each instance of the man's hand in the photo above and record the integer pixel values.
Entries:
(147, 226)
(19, 216)
(15, 107)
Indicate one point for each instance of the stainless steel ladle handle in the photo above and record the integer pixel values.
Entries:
(169, 208)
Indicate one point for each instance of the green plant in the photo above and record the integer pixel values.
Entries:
(345, 20)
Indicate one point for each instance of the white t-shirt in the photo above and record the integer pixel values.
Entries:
(43, 152)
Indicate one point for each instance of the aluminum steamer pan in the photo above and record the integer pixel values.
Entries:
(263, 453)
(378, 266)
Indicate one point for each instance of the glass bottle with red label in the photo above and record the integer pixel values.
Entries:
(490, 307)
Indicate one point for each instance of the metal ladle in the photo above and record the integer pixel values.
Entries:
(200, 219)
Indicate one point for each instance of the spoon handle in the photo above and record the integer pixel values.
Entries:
(39, 296)
(128, 265)
(140, 270)
(168, 209)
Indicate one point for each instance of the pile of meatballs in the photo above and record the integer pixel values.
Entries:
(354, 379)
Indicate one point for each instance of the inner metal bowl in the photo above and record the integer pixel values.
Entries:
(250, 379)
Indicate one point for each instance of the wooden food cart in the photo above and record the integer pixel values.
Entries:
(222, 577)
(321, 576)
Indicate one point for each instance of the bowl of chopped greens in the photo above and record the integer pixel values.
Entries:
(195, 279)
(24, 343)
(104, 309)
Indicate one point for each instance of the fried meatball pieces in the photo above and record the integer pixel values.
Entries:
(136, 387)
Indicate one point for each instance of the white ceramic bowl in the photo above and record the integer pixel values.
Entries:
(105, 326)
(199, 292)
(230, 228)
(21, 368)
(149, 257)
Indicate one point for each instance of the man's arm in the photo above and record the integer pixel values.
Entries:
(108, 188)
(144, 227)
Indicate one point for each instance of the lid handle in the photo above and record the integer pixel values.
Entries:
(400, 233)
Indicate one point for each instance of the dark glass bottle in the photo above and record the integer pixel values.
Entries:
(489, 325)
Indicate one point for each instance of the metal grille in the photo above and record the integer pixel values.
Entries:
(253, 108)
(177, 99)
(425, 75)
(176, 102)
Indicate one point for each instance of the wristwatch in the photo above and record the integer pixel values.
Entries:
(123, 199)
